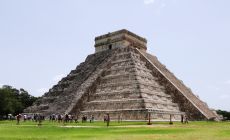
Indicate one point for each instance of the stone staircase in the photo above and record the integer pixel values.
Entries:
(128, 88)
(118, 82)
(59, 98)
(201, 106)
(85, 87)
(123, 80)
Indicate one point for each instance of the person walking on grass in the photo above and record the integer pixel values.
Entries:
(18, 117)
(59, 118)
(182, 119)
(91, 119)
(65, 119)
(76, 118)
(186, 119)
(39, 118)
(108, 120)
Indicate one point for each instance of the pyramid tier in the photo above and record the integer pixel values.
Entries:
(129, 85)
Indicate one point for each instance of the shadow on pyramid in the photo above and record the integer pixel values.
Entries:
(123, 80)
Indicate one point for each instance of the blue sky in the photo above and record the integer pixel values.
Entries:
(43, 40)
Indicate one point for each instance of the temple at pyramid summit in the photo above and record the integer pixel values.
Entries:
(122, 79)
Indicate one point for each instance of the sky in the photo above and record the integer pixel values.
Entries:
(41, 41)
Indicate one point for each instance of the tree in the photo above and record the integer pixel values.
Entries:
(9, 103)
(14, 101)
(225, 114)
(25, 98)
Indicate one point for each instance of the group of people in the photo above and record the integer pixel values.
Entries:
(34, 117)
(85, 118)
(67, 118)
(62, 118)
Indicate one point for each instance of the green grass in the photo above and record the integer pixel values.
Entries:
(123, 131)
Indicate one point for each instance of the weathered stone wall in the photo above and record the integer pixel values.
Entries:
(60, 96)
(194, 108)
(127, 88)
(119, 39)
(126, 83)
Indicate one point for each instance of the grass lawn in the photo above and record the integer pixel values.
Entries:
(123, 131)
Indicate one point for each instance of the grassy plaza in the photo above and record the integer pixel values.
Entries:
(116, 131)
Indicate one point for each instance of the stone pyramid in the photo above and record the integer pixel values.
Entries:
(122, 79)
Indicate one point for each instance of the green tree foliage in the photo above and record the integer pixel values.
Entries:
(14, 101)
(225, 114)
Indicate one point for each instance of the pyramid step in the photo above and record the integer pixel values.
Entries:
(133, 53)
(131, 94)
(118, 95)
(162, 106)
(179, 85)
(154, 111)
(117, 101)
(122, 61)
(128, 100)
(114, 104)
(130, 77)
(131, 103)
(159, 94)
(128, 74)
(127, 68)
(113, 110)
(131, 82)
(159, 111)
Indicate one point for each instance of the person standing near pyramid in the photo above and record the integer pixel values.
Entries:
(107, 120)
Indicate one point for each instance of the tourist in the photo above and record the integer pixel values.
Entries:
(105, 119)
(71, 118)
(10, 117)
(59, 118)
(39, 119)
(50, 118)
(18, 117)
(108, 120)
(84, 119)
(182, 118)
(76, 118)
(119, 118)
(170, 122)
(35, 117)
(53, 117)
(91, 119)
(24, 117)
(186, 119)
(66, 118)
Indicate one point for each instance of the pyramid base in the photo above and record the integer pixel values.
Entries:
(133, 115)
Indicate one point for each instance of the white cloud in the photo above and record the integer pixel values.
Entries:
(147, 2)
(57, 78)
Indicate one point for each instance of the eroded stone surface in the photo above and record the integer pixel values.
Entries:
(125, 82)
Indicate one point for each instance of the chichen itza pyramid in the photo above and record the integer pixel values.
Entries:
(122, 79)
